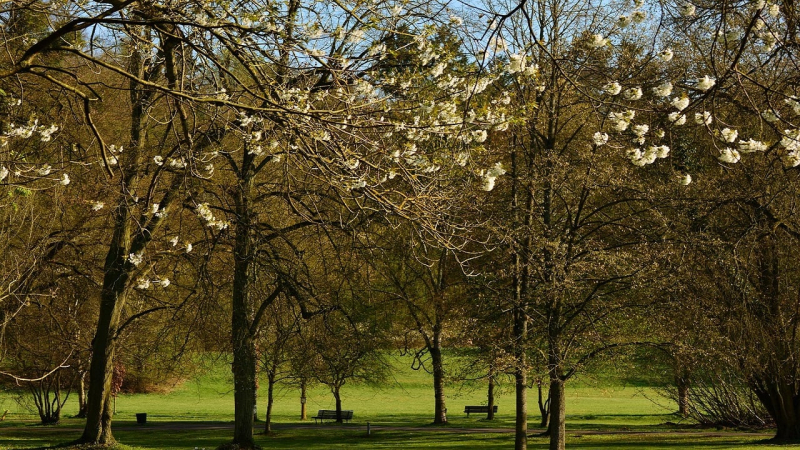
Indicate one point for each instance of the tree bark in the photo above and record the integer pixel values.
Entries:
(440, 409)
(557, 414)
(782, 401)
(521, 381)
(490, 397)
(270, 398)
(544, 408)
(682, 382)
(99, 409)
(243, 344)
(81, 396)
(338, 404)
(303, 398)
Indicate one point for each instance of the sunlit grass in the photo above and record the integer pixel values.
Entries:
(405, 401)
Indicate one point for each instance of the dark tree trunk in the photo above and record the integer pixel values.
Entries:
(521, 381)
(303, 415)
(81, 396)
(782, 401)
(99, 409)
(682, 382)
(270, 399)
(440, 409)
(243, 344)
(557, 414)
(490, 397)
(242, 311)
(338, 403)
(544, 408)
(117, 270)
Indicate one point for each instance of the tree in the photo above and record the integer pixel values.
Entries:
(428, 283)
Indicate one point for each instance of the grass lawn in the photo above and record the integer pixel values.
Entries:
(199, 413)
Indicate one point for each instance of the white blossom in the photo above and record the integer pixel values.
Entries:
(634, 93)
(662, 151)
(638, 16)
(154, 208)
(174, 241)
(158, 159)
(600, 138)
(774, 10)
(640, 130)
(703, 118)
(791, 159)
(623, 21)
(706, 83)
(680, 103)
(135, 259)
(663, 90)
(597, 41)
(791, 140)
(97, 206)
(164, 283)
(685, 179)
(188, 247)
(3, 172)
(47, 132)
(666, 55)
(143, 284)
(729, 135)
(490, 175)
(612, 88)
(44, 170)
(752, 145)
(177, 163)
(729, 155)
(64, 179)
(677, 118)
(516, 63)
(479, 135)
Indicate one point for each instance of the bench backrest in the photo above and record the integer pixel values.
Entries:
(478, 409)
(331, 414)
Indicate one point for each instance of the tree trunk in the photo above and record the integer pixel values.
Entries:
(782, 401)
(683, 394)
(338, 404)
(270, 398)
(303, 398)
(557, 414)
(81, 396)
(99, 409)
(117, 270)
(521, 381)
(490, 396)
(440, 410)
(544, 408)
(243, 344)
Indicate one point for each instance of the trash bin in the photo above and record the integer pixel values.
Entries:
(141, 418)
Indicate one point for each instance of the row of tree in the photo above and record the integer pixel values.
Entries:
(546, 181)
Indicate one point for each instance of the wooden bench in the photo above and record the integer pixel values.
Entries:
(478, 409)
(329, 414)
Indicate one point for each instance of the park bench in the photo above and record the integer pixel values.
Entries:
(323, 414)
(478, 409)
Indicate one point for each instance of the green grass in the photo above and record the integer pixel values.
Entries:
(405, 401)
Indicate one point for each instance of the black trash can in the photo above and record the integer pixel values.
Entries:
(141, 418)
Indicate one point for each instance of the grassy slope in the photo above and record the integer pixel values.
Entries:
(405, 401)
